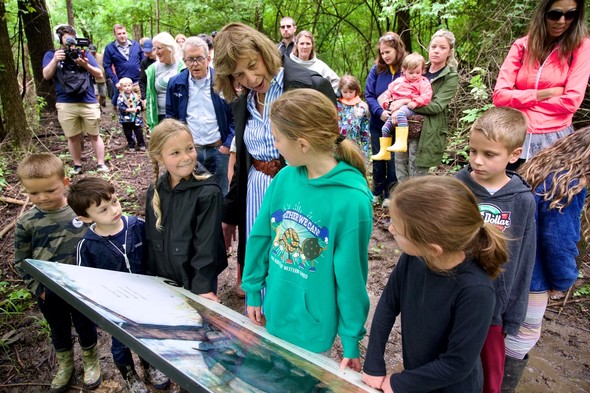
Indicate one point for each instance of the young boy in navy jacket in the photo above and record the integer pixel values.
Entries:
(113, 242)
(506, 201)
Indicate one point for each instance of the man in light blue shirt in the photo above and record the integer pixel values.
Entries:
(190, 98)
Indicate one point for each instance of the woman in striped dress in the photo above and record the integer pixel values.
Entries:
(250, 73)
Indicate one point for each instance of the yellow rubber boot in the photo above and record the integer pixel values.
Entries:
(383, 154)
(401, 140)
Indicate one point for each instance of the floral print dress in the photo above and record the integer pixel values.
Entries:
(354, 122)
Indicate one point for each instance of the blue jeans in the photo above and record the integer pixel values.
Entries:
(216, 163)
(121, 354)
(383, 171)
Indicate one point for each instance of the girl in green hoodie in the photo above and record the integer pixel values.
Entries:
(309, 245)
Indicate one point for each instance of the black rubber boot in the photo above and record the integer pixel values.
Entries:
(513, 370)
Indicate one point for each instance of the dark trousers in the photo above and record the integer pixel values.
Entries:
(216, 163)
(383, 171)
(130, 129)
(60, 316)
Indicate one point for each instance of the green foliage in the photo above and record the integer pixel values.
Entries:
(3, 172)
(479, 93)
(15, 299)
(584, 290)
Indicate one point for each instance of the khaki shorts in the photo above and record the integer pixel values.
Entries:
(76, 118)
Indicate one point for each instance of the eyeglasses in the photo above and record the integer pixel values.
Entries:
(193, 60)
(556, 15)
(286, 26)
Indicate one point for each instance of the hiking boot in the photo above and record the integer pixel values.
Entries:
(92, 377)
(134, 383)
(76, 170)
(65, 370)
(102, 168)
(158, 379)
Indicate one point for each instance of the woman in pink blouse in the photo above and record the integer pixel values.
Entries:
(546, 73)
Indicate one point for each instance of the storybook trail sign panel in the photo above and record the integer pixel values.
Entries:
(201, 345)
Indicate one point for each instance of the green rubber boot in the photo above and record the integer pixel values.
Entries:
(92, 376)
(65, 370)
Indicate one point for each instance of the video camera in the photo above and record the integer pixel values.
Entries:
(75, 47)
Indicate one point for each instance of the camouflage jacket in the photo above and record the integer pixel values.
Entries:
(48, 236)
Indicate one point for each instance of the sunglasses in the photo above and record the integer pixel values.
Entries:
(556, 15)
(286, 26)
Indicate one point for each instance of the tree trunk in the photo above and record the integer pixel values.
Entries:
(39, 40)
(403, 28)
(137, 32)
(13, 113)
(70, 8)
(157, 17)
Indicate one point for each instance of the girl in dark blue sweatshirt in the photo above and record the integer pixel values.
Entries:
(442, 286)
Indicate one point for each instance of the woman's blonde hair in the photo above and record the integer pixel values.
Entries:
(450, 37)
(568, 162)
(236, 41)
(441, 210)
(308, 34)
(392, 40)
(310, 115)
(169, 44)
(539, 43)
(158, 138)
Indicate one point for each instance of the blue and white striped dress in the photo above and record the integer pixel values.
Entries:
(260, 144)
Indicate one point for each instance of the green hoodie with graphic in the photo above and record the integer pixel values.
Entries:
(309, 248)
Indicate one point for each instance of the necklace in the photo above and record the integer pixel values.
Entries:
(258, 100)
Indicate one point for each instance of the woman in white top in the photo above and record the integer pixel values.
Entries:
(304, 54)
(168, 64)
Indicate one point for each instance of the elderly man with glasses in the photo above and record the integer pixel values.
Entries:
(288, 28)
(190, 98)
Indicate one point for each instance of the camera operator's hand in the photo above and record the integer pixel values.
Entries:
(59, 55)
(82, 62)
(49, 70)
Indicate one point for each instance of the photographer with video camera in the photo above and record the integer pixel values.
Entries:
(78, 112)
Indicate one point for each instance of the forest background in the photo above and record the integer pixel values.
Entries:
(346, 33)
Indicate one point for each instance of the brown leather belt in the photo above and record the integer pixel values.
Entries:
(210, 145)
(270, 168)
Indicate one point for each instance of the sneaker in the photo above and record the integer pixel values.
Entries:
(135, 384)
(140, 148)
(76, 170)
(385, 203)
(375, 200)
(102, 168)
(158, 379)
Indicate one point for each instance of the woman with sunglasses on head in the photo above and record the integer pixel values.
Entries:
(250, 73)
(546, 73)
(388, 67)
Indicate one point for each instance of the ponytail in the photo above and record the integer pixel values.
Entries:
(349, 152)
(489, 249)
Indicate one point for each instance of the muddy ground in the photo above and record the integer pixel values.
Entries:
(560, 363)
